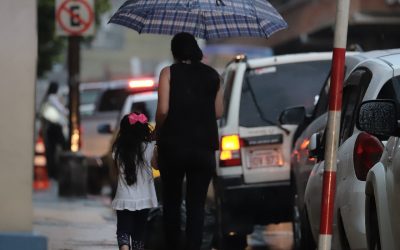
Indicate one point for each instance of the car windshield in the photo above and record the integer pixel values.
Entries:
(279, 87)
(88, 101)
(112, 100)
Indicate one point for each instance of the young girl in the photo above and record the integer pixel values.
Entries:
(135, 192)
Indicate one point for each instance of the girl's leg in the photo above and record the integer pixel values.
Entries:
(124, 229)
(139, 228)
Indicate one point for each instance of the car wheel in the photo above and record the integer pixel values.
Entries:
(342, 233)
(306, 240)
(374, 242)
(224, 240)
(296, 225)
(233, 242)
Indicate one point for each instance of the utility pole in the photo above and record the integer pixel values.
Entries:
(73, 82)
(74, 19)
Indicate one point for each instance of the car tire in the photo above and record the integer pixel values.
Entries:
(233, 242)
(223, 240)
(374, 242)
(296, 225)
(342, 233)
(304, 240)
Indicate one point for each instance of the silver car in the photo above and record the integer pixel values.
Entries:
(382, 200)
(357, 153)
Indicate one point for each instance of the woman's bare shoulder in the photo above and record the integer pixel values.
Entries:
(165, 70)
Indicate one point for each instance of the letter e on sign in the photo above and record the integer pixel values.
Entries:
(74, 17)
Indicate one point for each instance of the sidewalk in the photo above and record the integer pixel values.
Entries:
(88, 224)
(74, 223)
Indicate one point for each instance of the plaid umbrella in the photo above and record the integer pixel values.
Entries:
(207, 19)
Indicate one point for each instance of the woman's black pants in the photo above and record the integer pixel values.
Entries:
(198, 167)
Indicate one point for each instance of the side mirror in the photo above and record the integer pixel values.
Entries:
(315, 148)
(294, 115)
(104, 129)
(378, 117)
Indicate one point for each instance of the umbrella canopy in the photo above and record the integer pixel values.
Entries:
(207, 19)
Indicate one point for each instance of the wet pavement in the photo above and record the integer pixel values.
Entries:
(89, 223)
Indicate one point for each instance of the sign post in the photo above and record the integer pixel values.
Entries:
(74, 18)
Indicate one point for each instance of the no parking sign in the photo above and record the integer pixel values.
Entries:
(74, 17)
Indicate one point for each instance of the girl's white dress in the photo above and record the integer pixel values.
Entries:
(138, 196)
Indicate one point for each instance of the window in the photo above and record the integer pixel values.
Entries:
(353, 93)
(279, 87)
(391, 90)
(228, 86)
(88, 99)
(112, 100)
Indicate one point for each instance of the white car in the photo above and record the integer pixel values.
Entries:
(301, 161)
(101, 103)
(382, 203)
(357, 153)
(252, 185)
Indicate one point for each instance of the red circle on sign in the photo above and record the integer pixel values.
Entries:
(86, 25)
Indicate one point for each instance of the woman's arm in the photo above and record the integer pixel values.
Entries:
(163, 97)
(219, 103)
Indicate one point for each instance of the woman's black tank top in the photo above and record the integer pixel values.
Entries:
(191, 120)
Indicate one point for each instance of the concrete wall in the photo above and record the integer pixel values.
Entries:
(18, 49)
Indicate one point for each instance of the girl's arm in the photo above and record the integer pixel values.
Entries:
(219, 104)
(163, 98)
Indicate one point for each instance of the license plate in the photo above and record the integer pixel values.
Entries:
(263, 158)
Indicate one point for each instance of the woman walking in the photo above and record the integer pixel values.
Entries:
(189, 103)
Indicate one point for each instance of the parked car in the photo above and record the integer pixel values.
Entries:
(252, 184)
(301, 163)
(357, 153)
(382, 200)
(108, 99)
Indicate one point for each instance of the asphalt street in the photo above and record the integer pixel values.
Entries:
(89, 223)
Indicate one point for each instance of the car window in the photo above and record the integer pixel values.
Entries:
(147, 107)
(391, 90)
(353, 93)
(112, 100)
(229, 78)
(279, 87)
(88, 99)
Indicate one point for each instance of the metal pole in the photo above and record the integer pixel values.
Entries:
(333, 127)
(335, 106)
(73, 81)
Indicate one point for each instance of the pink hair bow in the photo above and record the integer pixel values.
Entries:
(134, 118)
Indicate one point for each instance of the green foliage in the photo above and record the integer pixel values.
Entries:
(50, 47)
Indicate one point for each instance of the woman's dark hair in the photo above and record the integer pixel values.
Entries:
(53, 88)
(129, 148)
(184, 47)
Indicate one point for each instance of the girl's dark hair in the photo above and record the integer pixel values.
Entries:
(184, 47)
(129, 148)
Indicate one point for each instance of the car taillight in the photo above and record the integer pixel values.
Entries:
(367, 151)
(230, 151)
